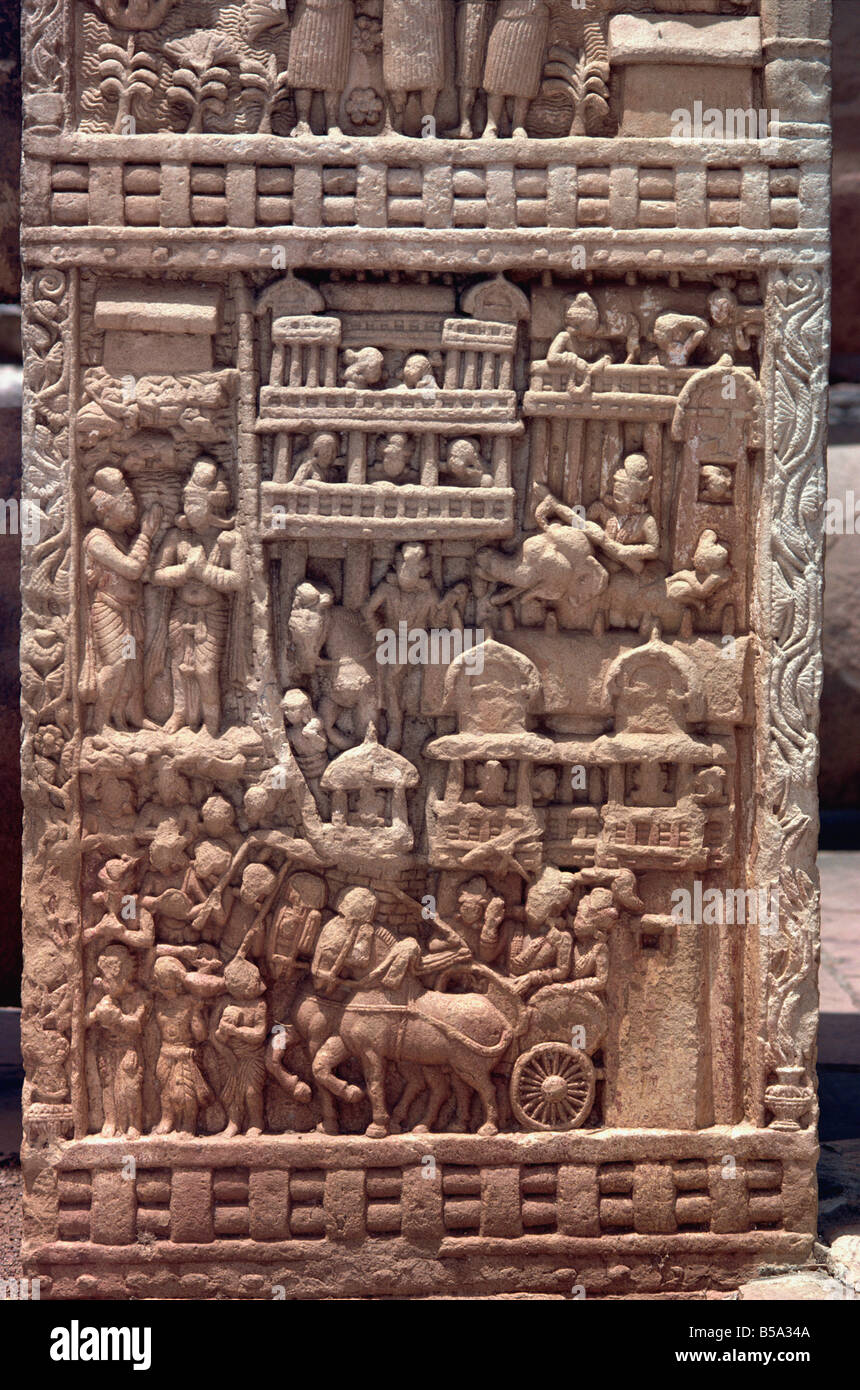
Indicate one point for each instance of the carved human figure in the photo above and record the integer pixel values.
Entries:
(203, 561)
(348, 680)
(171, 798)
(477, 922)
(363, 368)
(395, 463)
(290, 941)
(319, 461)
(179, 996)
(205, 887)
(320, 43)
(596, 915)
(408, 596)
(733, 326)
(515, 58)
(343, 949)
(412, 55)
(243, 932)
(110, 818)
(125, 920)
(580, 346)
(473, 30)
(162, 888)
(218, 822)
(541, 951)
(238, 1033)
(620, 523)
(418, 374)
(491, 778)
(113, 671)
(677, 337)
(716, 484)
(711, 570)
(465, 464)
(293, 929)
(306, 737)
(116, 1009)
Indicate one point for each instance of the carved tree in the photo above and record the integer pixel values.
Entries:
(200, 80)
(125, 77)
(268, 88)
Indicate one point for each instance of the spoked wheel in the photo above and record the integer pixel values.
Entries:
(552, 1087)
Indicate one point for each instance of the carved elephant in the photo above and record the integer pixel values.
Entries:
(557, 566)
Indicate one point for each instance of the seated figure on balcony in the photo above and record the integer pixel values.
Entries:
(418, 374)
(364, 368)
(320, 45)
(580, 346)
(677, 337)
(734, 326)
(465, 464)
(395, 464)
(319, 461)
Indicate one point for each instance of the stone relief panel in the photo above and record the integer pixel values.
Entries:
(557, 480)
(420, 661)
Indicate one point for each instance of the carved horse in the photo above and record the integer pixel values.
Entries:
(436, 1040)
(465, 1033)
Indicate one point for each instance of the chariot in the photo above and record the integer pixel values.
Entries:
(553, 1078)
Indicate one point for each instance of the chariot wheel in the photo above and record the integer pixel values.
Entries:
(552, 1087)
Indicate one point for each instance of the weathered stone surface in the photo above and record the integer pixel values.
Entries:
(839, 779)
(808, 1286)
(421, 649)
(844, 1261)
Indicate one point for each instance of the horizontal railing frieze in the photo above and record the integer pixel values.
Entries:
(530, 153)
(260, 183)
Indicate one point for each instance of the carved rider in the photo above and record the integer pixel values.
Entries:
(621, 524)
(541, 951)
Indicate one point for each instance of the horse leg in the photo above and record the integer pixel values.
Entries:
(373, 1067)
(330, 1055)
(438, 1086)
(463, 1095)
(295, 1088)
(414, 1085)
(481, 1082)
